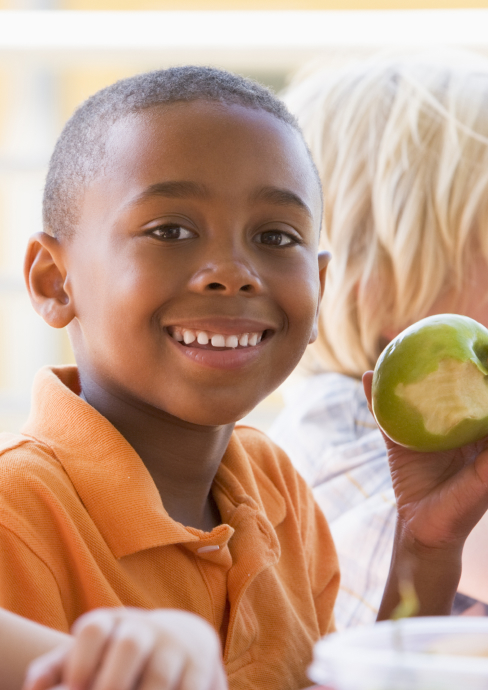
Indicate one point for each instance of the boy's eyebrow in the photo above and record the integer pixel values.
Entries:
(172, 190)
(180, 189)
(281, 197)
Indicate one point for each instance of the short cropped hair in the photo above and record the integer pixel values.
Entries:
(79, 153)
(401, 144)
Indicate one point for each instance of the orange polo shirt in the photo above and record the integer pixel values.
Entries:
(82, 525)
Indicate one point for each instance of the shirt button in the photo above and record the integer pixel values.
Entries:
(206, 549)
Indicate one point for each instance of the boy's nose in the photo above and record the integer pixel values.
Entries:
(229, 278)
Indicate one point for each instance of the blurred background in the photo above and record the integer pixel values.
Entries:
(54, 54)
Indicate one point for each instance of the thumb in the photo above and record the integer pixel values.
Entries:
(46, 671)
(367, 385)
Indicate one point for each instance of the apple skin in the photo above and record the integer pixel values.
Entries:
(410, 391)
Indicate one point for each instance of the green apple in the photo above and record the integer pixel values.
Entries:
(430, 384)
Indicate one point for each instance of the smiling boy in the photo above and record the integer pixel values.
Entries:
(182, 215)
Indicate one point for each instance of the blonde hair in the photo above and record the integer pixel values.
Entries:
(401, 144)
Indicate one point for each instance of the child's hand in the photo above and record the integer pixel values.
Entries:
(132, 649)
(440, 498)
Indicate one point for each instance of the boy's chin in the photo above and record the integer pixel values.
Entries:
(214, 412)
(214, 418)
(216, 407)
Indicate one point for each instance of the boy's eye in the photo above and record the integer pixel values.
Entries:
(172, 232)
(276, 238)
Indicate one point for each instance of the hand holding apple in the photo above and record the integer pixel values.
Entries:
(440, 497)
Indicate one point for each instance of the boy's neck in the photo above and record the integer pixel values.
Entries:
(182, 458)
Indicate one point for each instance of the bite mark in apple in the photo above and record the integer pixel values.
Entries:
(447, 396)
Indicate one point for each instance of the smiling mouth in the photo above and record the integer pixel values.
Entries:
(208, 340)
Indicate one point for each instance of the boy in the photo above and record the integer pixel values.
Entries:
(182, 216)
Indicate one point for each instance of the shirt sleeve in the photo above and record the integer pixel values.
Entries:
(27, 585)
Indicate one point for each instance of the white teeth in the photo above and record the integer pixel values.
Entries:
(218, 341)
(189, 336)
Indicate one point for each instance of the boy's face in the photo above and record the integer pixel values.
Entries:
(205, 221)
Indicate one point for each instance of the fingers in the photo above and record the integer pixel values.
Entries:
(205, 672)
(170, 669)
(158, 650)
(165, 669)
(191, 650)
(472, 489)
(218, 679)
(130, 648)
(47, 671)
(91, 633)
(367, 385)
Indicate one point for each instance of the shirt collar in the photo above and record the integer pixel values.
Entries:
(113, 482)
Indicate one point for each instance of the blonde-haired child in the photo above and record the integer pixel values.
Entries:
(401, 144)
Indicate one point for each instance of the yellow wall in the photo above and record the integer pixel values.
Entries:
(266, 4)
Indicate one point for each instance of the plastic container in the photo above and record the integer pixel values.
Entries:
(438, 653)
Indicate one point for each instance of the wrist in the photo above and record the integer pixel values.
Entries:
(432, 573)
(407, 545)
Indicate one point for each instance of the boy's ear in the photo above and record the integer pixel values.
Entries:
(45, 277)
(324, 258)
